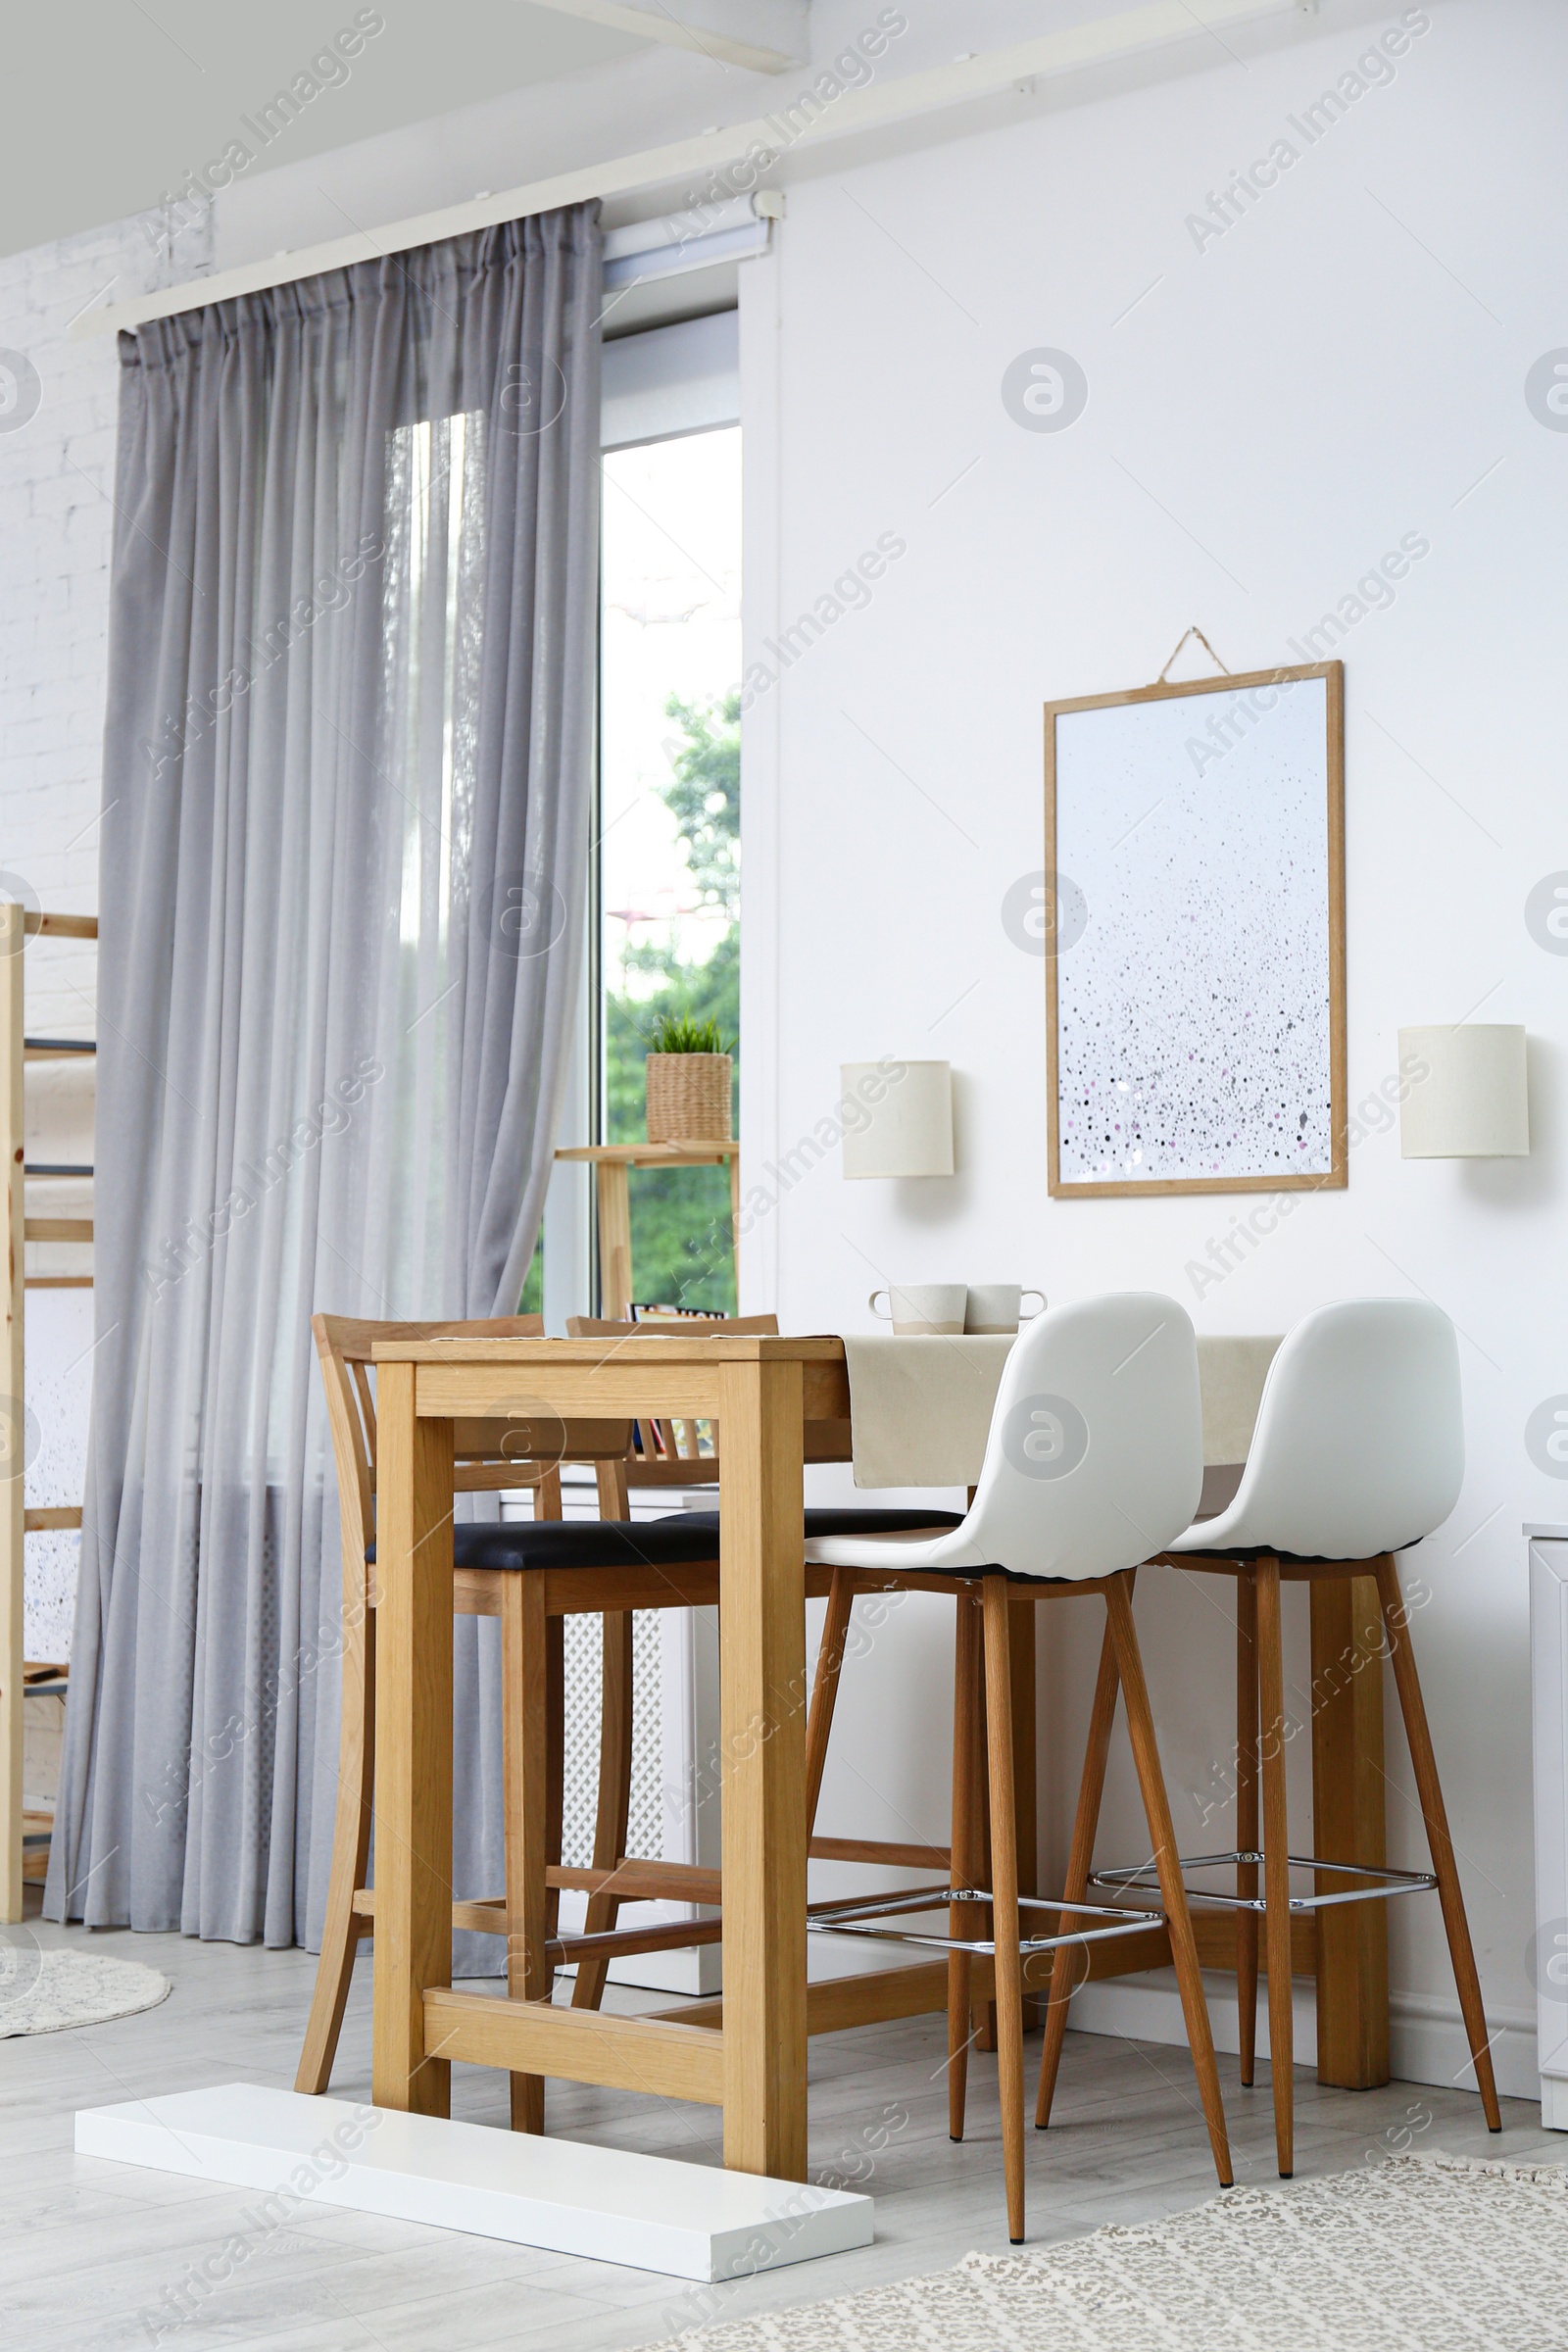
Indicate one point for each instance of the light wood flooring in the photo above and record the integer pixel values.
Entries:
(89, 2250)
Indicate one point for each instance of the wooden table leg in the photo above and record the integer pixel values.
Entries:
(1347, 1825)
(525, 1805)
(763, 1750)
(412, 1745)
(1247, 1828)
(1276, 1861)
(1069, 1965)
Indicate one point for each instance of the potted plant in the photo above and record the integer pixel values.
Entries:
(688, 1073)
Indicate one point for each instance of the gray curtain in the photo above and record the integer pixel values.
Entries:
(345, 805)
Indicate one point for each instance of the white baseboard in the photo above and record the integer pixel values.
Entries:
(686, 2220)
(1426, 2037)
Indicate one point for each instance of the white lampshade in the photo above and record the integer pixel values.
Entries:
(908, 1130)
(1472, 1103)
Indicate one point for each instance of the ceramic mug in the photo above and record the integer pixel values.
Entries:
(921, 1310)
(996, 1306)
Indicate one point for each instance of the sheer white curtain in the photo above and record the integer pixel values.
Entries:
(346, 796)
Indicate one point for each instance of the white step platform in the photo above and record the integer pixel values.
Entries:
(688, 2220)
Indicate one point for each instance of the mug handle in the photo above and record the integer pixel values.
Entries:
(871, 1302)
(1040, 1309)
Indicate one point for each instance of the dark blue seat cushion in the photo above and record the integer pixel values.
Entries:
(582, 1543)
(847, 1522)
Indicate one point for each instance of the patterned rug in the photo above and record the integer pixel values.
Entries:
(1417, 2254)
(50, 1992)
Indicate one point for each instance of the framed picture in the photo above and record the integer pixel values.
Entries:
(1194, 936)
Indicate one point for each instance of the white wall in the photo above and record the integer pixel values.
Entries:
(1266, 416)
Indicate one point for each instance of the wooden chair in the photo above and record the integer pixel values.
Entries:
(1359, 1452)
(685, 1453)
(1094, 1453)
(664, 1453)
(659, 1453)
(531, 1576)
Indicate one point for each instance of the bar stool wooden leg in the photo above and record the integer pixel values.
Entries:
(1174, 1894)
(1247, 1819)
(1276, 1860)
(825, 1685)
(983, 2035)
(613, 1812)
(1067, 1960)
(1430, 1789)
(1005, 1892)
(525, 1775)
(968, 1864)
(351, 1854)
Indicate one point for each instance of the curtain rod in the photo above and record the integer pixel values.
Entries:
(712, 155)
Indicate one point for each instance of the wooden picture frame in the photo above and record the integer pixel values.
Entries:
(1073, 808)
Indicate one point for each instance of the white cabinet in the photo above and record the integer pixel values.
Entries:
(1549, 1678)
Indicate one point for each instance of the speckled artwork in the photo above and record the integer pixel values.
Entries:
(1193, 1005)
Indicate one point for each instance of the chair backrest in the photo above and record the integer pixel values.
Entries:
(1095, 1460)
(673, 1453)
(675, 1327)
(1360, 1444)
(344, 1345)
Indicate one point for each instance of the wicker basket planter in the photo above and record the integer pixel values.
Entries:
(688, 1098)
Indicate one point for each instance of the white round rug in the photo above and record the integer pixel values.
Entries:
(46, 1991)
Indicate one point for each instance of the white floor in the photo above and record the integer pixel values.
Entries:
(97, 2255)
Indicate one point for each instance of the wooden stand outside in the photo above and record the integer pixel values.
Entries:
(610, 1162)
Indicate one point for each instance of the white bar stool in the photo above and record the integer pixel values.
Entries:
(1094, 1462)
(1359, 1452)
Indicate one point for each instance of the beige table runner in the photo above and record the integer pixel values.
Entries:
(1231, 1373)
(920, 1409)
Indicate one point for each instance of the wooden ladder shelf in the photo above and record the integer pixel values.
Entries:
(25, 1837)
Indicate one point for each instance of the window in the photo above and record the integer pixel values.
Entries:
(669, 846)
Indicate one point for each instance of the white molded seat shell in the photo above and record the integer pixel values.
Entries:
(1360, 1444)
(1095, 1458)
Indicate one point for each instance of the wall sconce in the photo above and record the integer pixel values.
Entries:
(908, 1130)
(1473, 1102)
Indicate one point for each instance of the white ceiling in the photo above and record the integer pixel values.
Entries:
(107, 104)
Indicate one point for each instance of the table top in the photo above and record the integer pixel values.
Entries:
(653, 1344)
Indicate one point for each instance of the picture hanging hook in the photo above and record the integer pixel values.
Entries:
(1194, 631)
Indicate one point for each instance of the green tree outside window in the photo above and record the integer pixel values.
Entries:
(681, 1245)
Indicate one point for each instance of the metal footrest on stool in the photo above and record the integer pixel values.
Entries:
(856, 1919)
(1144, 1875)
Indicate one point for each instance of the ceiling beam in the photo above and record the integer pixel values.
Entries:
(712, 158)
(766, 37)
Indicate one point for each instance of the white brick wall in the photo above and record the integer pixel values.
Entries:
(56, 524)
(56, 531)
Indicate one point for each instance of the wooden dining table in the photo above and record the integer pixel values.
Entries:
(779, 1403)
